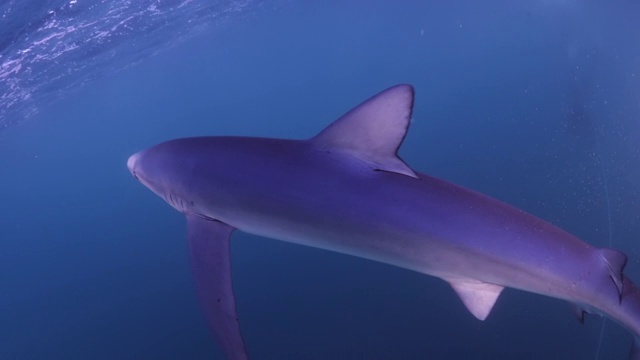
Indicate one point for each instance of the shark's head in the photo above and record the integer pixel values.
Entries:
(164, 171)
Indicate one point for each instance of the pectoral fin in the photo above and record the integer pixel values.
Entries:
(479, 297)
(211, 265)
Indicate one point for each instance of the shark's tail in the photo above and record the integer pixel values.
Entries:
(627, 313)
(617, 296)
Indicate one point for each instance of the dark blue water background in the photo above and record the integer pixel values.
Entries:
(536, 103)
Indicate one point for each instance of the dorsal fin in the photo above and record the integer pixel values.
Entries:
(374, 130)
(615, 261)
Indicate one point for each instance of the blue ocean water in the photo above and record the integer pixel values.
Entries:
(536, 103)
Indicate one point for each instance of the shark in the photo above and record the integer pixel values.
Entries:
(347, 190)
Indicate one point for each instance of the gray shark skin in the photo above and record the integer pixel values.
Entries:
(346, 190)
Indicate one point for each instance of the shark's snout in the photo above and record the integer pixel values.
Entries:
(131, 164)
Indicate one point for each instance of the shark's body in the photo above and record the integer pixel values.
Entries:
(346, 190)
